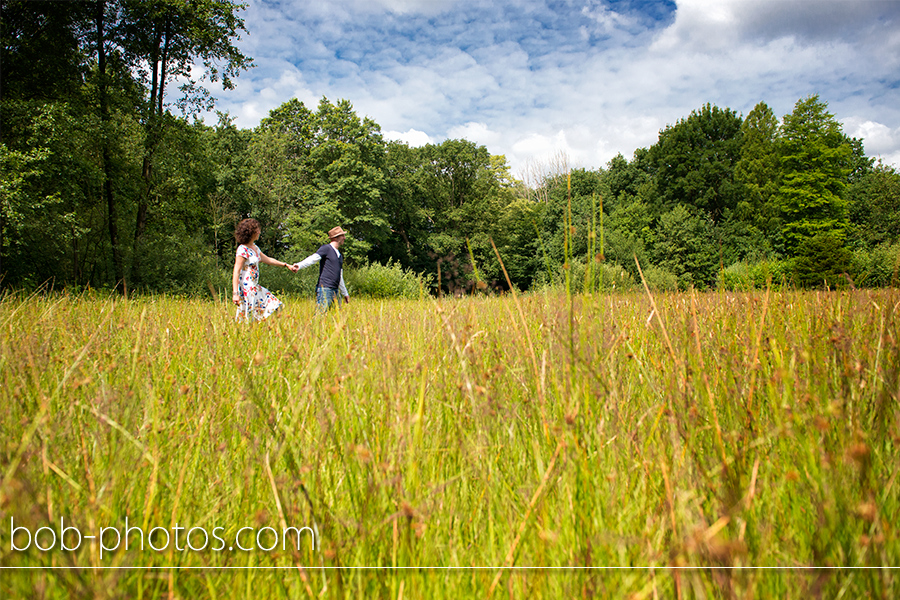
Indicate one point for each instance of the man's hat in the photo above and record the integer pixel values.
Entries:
(336, 232)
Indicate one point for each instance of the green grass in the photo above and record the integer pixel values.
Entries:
(688, 438)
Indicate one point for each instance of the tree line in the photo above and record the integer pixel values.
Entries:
(104, 185)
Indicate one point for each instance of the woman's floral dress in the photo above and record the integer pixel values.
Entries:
(257, 302)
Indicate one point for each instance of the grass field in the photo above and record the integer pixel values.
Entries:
(706, 445)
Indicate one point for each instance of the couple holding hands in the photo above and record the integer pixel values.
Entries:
(255, 302)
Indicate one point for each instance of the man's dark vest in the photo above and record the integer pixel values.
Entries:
(329, 267)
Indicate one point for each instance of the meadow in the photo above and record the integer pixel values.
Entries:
(680, 445)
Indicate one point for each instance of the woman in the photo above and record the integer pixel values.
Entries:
(251, 299)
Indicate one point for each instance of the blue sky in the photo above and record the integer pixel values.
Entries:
(536, 80)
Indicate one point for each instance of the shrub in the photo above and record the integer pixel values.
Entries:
(386, 281)
(281, 280)
(822, 261)
(188, 277)
(660, 280)
(878, 267)
(749, 276)
(605, 276)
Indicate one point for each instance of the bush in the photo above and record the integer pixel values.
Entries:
(749, 276)
(605, 277)
(822, 261)
(660, 280)
(386, 281)
(188, 276)
(878, 267)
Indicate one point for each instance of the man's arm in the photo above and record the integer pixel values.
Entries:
(343, 288)
(309, 261)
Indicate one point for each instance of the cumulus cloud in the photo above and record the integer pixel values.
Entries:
(531, 78)
(880, 141)
(412, 137)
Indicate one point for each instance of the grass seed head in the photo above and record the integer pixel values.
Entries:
(362, 453)
(859, 452)
(866, 511)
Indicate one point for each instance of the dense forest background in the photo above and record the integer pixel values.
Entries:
(109, 180)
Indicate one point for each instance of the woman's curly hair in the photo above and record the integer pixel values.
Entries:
(245, 230)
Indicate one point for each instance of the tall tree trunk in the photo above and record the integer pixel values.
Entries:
(112, 208)
(156, 86)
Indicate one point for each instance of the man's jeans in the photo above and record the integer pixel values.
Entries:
(324, 298)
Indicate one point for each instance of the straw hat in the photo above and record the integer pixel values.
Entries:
(336, 232)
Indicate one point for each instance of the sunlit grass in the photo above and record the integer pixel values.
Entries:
(722, 432)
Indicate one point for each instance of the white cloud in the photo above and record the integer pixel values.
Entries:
(475, 132)
(413, 137)
(527, 78)
(879, 140)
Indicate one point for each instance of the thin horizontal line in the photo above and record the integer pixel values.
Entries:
(513, 568)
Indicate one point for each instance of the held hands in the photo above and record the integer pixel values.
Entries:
(294, 267)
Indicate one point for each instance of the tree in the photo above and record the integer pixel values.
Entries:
(518, 243)
(465, 192)
(409, 217)
(312, 170)
(41, 53)
(622, 180)
(685, 246)
(822, 260)
(346, 166)
(163, 40)
(758, 170)
(874, 207)
(694, 161)
(43, 68)
(230, 195)
(815, 164)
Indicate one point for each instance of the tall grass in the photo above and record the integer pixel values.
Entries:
(710, 445)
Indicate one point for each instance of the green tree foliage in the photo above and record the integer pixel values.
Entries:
(815, 164)
(875, 207)
(42, 54)
(694, 161)
(822, 261)
(580, 191)
(164, 40)
(517, 239)
(686, 246)
(623, 180)
(316, 169)
(347, 167)
(628, 233)
(758, 170)
(627, 230)
(92, 78)
(103, 184)
(403, 202)
(229, 195)
(465, 191)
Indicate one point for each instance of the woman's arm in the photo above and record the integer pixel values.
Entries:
(235, 279)
(271, 261)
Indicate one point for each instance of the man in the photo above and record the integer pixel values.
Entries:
(331, 271)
